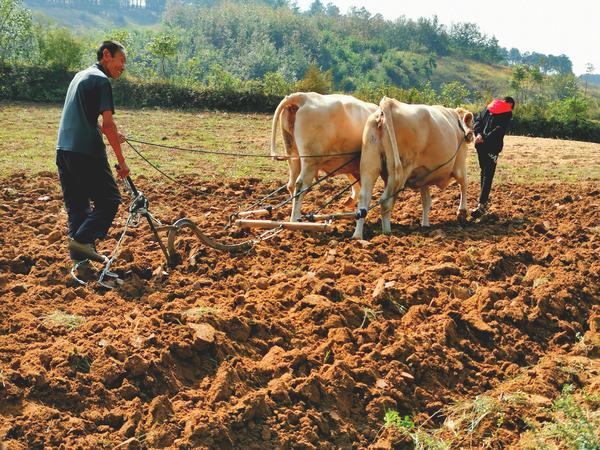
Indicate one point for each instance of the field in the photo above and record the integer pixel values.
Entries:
(483, 336)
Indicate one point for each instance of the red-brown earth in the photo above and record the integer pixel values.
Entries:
(305, 341)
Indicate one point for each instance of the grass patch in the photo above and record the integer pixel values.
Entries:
(201, 311)
(422, 439)
(29, 130)
(63, 319)
(574, 424)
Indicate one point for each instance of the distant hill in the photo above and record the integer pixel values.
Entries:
(590, 78)
(252, 38)
(79, 18)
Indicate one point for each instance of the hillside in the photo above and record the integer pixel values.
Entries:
(82, 20)
(252, 39)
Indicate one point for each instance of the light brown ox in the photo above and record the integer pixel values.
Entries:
(416, 146)
(313, 125)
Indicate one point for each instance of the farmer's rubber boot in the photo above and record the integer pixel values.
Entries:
(85, 251)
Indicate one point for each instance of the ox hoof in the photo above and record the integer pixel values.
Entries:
(462, 216)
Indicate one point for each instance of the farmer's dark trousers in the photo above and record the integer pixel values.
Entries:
(86, 179)
(487, 162)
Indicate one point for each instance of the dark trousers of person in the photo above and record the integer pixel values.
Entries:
(86, 179)
(487, 162)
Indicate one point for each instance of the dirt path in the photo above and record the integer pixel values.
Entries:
(305, 342)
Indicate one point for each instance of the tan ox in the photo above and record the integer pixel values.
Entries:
(415, 146)
(313, 125)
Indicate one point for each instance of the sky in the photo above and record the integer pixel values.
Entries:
(571, 28)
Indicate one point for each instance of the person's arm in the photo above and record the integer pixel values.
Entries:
(478, 126)
(109, 128)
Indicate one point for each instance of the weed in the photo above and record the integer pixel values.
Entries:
(401, 308)
(574, 424)
(2, 379)
(371, 315)
(422, 439)
(63, 319)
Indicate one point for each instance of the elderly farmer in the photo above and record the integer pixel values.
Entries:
(83, 168)
(490, 127)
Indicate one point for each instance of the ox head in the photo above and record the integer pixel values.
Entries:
(466, 117)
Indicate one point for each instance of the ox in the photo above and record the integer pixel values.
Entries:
(416, 146)
(315, 128)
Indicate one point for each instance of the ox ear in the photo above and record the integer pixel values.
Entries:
(468, 119)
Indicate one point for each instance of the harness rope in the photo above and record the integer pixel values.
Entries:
(241, 155)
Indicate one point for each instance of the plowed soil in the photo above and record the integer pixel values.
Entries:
(303, 342)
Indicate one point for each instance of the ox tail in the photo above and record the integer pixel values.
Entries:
(386, 108)
(296, 99)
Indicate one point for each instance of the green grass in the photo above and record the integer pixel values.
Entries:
(421, 438)
(574, 423)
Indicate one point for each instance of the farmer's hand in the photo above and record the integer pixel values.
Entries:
(122, 170)
(122, 138)
(479, 139)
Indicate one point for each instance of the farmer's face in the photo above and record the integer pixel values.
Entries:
(114, 65)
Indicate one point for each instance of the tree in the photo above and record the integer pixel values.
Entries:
(316, 81)
(519, 74)
(16, 30)
(316, 8)
(453, 94)
(589, 69)
(163, 46)
(59, 47)
(331, 10)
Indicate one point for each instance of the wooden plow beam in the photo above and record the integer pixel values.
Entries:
(273, 224)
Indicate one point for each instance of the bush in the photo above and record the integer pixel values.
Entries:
(49, 84)
(579, 130)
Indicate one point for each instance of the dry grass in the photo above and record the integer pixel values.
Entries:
(63, 319)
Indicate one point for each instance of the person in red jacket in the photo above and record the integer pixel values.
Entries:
(490, 127)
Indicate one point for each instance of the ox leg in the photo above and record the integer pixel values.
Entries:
(462, 207)
(387, 206)
(368, 178)
(352, 201)
(294, 170)
(307, 175)
(426, 200)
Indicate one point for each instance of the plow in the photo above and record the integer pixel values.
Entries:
(258, 216)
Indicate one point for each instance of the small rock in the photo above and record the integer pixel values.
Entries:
(203, 332)
(461, 292)
(444, 269)
(350, 269)
(54, 237)
(381, 383)
(379, 287)
(44, 198)
(262, 283)
(136, 366)
(156, 300)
